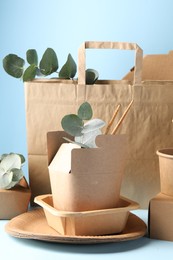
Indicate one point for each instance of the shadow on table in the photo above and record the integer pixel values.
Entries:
(101, 248)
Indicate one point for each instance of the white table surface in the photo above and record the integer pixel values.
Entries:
(143, 248)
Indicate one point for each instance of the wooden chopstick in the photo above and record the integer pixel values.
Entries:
(112, 119)
(122, 118)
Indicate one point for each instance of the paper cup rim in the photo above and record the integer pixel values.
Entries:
(165, 152)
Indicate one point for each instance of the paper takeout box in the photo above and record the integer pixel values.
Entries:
(14, 201)
(161, 217)
(94, 181)
(96, 222)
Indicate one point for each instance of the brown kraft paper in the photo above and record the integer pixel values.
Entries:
(148, 125)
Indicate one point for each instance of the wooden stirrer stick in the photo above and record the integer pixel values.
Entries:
(122, 118)
(112, 119)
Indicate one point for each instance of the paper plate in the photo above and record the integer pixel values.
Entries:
(33, 225)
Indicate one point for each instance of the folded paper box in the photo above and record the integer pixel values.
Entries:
(94, 181)
(161, 217)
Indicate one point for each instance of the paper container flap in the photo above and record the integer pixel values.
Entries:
(155, 67)
(111, 149)
(54, 141)
(106, 143)
(109, 157)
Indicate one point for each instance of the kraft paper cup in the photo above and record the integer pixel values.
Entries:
(166, 170)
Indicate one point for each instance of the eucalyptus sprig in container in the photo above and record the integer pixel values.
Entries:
(14, 190)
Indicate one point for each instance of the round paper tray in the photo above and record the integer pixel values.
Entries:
(33, 225)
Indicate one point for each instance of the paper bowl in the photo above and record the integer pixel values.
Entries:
(95, 222)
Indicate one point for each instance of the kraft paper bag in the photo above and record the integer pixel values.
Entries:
(153, 128)
(155, 67)
(148, 125)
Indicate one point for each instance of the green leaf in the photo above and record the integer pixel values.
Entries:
(11, 161)
(72, 124)
(73, 142)
(69, 69)
(10, 170)
(88, 139)
(5, 180)
(2, 156)
(32, 57)
(13, 65)
(49, 62)
(91, 76)
(85, 111)
(22, 158)
(93, 125)
(38, 73)
(30, 73)
(17, 175)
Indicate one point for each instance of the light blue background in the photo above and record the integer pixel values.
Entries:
(64, 25)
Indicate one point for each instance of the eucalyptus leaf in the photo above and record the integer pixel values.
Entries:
(88, 139)
(85, 111)
(13, 65)
(84, 133)
(11, 161)
(49, 62)
(73, 142)
(91, 76)
(38, 73)
(11, 184)
(72, 124)
(10, 170)
(2, 170)
(69, 69)
(32, 57)
(2, 156)
(30, 73)
(17, 175)
(22, 158)
(93, 125)
(5, 180)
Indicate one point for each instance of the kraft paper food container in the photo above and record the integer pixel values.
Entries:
(92, 172)
(14, 201)
(95, 222)
(166, 170)
(160, 217)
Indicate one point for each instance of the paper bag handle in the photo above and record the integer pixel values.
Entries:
(109, 45)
